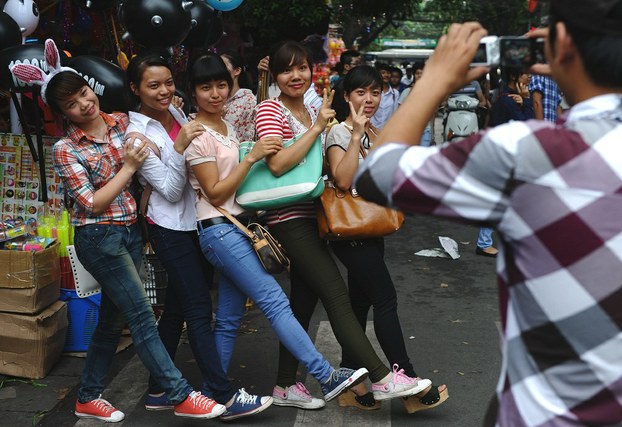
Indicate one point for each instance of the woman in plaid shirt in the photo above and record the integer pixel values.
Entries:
(96, 165)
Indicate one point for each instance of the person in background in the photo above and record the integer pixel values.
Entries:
(347, 61)
(215, 174)
(314, 274)
(388, 102)
(369, 280)
(409, 76)
(171, 221)
(240, 107)
(428, 134)
(550, 190)
(546, 98)
(96, 165)
(396, 80)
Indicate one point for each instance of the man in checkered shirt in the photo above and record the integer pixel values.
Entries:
(554, 194)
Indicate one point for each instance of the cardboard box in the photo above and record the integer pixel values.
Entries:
(29, 281)
(30, 345)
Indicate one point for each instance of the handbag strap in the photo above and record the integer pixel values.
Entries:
(237, 223)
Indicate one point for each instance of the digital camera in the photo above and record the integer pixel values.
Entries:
(509, 51)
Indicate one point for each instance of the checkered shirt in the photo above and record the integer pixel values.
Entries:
(554, 194)
(85, 165)
(551, 95)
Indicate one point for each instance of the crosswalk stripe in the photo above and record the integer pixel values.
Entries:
(332, 414)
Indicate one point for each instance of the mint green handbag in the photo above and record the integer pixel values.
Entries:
(261, 190)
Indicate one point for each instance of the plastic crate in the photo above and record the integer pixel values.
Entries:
(82, 315)
(155, 281)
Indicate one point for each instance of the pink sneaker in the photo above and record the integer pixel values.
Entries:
(99, 409)
(401, 385)
(296, 395)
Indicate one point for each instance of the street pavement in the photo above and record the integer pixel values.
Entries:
(449, 314)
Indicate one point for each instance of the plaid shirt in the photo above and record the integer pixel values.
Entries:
(85, 165)
(551, 95)
(553, 193)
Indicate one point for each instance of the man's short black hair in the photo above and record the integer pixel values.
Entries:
(601, 54)
(347, 56)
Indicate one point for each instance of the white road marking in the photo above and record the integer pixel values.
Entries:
(333, 414)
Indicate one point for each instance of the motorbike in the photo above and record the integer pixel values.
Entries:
(461, 119)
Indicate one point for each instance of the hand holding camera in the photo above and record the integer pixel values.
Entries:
(509, 52)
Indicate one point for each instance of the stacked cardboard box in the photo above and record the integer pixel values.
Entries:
(33, 323)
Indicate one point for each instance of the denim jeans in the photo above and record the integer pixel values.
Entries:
(484, 239)
(188, 298)
(242, 276)
(111, 253)
(426, 138)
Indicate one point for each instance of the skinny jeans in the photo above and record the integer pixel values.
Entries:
(188, 298)
(112, 254)
(242, 275)
(314, 275)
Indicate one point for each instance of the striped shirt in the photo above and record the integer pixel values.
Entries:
(86, 164)
(553, 193)
(273, 119)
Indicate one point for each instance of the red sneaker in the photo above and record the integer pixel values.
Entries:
(100, 409)
(198, 406)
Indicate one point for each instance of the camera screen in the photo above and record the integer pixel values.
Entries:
(521, 53)
(480, 56)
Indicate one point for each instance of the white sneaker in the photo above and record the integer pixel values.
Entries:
(401, 385)
(296, 395)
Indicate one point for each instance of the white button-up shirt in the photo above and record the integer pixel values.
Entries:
(171, 204)
(388, 105)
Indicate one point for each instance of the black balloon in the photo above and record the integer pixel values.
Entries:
(23, 54)
(201, 19)
(106, 79)
(215, 32)
(10, 34)
(156, 23)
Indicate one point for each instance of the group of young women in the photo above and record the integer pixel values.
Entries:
(193, 170)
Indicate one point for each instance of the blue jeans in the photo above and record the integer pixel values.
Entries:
(242, 276)
(188, 298)
(426, 138)
(112, 253)
(484, 239)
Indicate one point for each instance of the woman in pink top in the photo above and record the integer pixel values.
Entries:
(240, 106)
(215, 174)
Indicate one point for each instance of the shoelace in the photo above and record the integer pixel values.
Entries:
(302, 390)
(400, 377)
(103, 405)
(338, 374)
(244, 398)
(200, 401)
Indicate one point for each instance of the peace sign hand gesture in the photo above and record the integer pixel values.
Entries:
(326, 112)
(360, 122)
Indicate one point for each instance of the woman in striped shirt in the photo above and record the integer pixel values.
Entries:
(314, 273)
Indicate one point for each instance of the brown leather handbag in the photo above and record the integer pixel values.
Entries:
(345, 215)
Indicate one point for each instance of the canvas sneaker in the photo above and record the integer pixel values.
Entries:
(296, 395)
(158, 403)
(401, 385)
(99, 409)
(341, 379)
(198, 406)
(245, 404)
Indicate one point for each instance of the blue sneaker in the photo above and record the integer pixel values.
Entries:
(245, 404)
(340, 380)
(160, 403)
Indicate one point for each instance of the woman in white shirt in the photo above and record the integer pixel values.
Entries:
(171, 219)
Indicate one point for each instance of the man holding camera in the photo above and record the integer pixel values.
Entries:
(553, 192)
